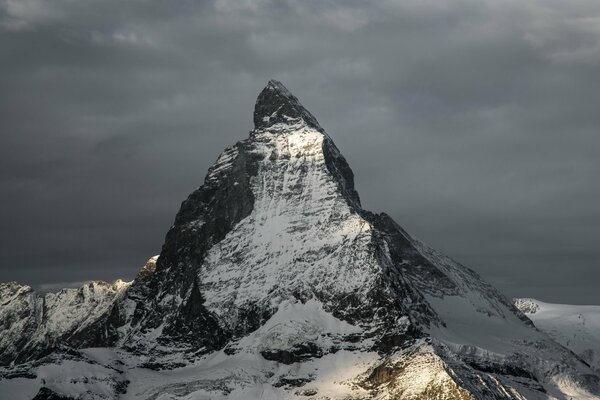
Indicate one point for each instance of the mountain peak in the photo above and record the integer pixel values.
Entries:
(273, 263)
(276, 104)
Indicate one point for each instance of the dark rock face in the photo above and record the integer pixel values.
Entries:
(298, 353)
(47, 394)
(101, 333)
(204, 219)
(394, 339)
(292, 382)
(338, 167)
(403, 252)
(275, 104)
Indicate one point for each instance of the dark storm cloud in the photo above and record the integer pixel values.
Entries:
(473, 123)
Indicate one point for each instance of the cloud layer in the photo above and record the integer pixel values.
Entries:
(473, 123)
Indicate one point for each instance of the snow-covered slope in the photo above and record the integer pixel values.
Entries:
(574, 326)
(275, 283)
(35, 324)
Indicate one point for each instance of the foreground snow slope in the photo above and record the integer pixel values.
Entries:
(576, 327)
(275, 283)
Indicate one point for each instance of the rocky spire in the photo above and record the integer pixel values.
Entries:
(275, 104)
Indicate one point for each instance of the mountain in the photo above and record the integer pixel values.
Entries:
(574, 326)
(275, 283)
(33, 325)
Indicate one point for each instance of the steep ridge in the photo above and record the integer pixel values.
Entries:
(273, 282)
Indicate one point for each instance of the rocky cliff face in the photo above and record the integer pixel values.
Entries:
(273, 282)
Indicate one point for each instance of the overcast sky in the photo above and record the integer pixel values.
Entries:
(474, 123)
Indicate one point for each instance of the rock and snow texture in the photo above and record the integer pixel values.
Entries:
(574, 326)
(301, 240)
(274, 283)
(34, 324)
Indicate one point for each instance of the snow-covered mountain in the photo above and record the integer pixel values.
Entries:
(574, 326)
(34, 324)
(274, 283)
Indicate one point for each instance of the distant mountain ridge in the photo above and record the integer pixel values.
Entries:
(275, 283)
(576, 327)
(34, 324)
